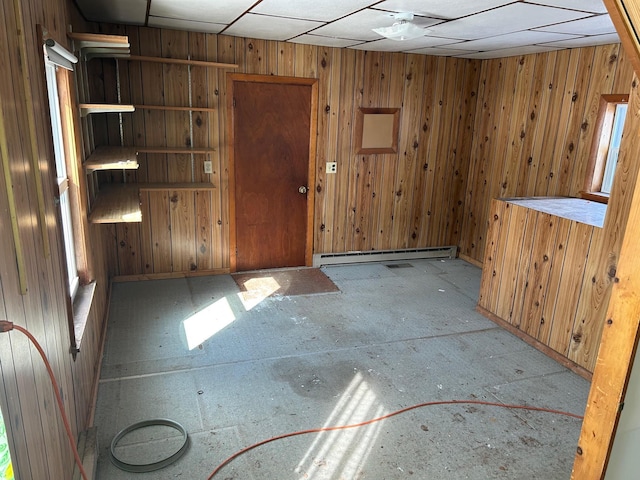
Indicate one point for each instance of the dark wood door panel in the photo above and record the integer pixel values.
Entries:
(271, 157)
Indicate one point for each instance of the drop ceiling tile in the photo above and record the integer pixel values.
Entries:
(310, 39)
(387, 45)
(598, 25)
(507, 19)
(252, 25)
(200, 10)
(587, 41)
(320, 10)
(594, 6)
(189, 25)
(115, 11)
(516, 39)
(508, 52)
(440, 51)
(358, 26)
(449, 9)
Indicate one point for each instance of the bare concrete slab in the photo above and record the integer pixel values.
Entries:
(235, 371)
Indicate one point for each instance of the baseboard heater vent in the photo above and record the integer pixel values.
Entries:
(320, 259)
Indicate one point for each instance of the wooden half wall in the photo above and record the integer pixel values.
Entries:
(37, 440)
(410, 199)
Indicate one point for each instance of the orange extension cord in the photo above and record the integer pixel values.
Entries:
(384, 417)
(6, 326)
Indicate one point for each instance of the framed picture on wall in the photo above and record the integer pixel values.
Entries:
(377, 130)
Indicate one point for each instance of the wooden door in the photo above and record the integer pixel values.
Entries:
(272, 156)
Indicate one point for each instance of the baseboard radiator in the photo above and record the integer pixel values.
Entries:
(320, 259)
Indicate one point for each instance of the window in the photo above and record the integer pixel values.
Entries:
(605, 147)
(71, 184)
(61, 176)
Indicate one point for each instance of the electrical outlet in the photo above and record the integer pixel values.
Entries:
(208, 166)
(332, 167)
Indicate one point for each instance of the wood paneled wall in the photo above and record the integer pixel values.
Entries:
(533, 128)
(410, 199)
(39, 446)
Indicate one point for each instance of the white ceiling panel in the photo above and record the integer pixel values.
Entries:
(516, 39)
(587, 41)
(387, 45)
(320, 10)
(484, 28)
(200, 10)
(598, 25)
(449, 9)
(114, 11)
(594, 6)
(311, 39)
(507, 19)
(252, 25)
(508, 52)
(189, 25)
(359, 25)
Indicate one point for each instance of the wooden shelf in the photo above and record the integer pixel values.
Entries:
(117, 204)
(174, 108)
(87, 108)
(112, 158)
(96, 53)
(120, 203)
(94, 44)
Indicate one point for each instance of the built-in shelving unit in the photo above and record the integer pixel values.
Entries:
(116, 203)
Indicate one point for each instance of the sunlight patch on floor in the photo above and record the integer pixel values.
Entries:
(204, 324)
(343, 453)
(258, 289)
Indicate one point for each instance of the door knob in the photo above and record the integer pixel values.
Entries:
(302, 189)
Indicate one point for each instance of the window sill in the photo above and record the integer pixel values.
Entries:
(81, 308)
(595, 197)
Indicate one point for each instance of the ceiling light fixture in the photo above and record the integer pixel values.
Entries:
(401, 29)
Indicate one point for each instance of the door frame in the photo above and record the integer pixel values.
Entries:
(313, 134)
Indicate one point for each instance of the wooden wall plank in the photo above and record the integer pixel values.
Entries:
(573, 272)
(182, 218)
(462, 147)
(548, 306)
(160, 225)
(390, 169)
(517, 227)
(539, 271)
(344, 151)
(516, 130)
(420, 215)
(496, 226)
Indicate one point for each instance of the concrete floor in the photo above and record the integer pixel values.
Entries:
(391, 338)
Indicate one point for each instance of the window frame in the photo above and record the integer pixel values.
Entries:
(71, 187)
(600, 147)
